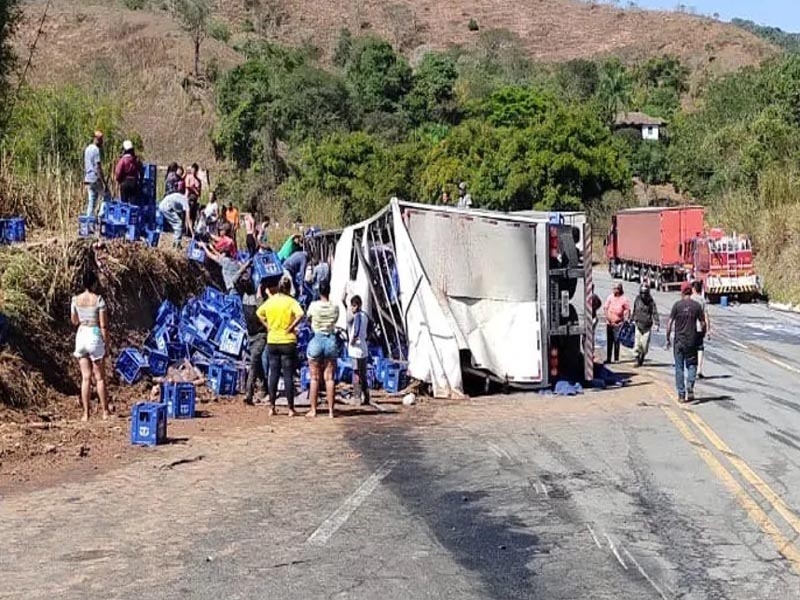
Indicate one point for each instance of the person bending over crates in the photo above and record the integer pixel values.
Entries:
(175, 210)
(88, 313)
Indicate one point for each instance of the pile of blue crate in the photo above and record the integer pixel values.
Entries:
(209, 332)
(12, 230)
(119, 220)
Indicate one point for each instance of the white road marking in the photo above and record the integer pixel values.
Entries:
(616, 553)
(644, 574)
(766, 357)
(332, 524)
(495, 450)
(544, 490)
(594, 537)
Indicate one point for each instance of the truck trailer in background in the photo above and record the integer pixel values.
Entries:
(666, 246)
(481, 295)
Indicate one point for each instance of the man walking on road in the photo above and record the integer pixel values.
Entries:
(645, 315)
(617, 310)
(702, 334)
(685, 316)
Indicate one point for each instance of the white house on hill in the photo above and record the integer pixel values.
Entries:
(651, 127)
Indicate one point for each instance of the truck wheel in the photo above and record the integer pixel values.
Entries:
(612, 270)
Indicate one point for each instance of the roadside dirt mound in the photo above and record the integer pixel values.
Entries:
(37, 370)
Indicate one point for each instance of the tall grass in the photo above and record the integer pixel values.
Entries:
(770, 215)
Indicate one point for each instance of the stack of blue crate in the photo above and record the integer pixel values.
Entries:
(12, 230)
(209, 331)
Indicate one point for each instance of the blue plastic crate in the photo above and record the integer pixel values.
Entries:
(112, 231)
(167, 314)
(213, 297)
(180, 399)
(395, 379)
(126, 214)
(267, 264)
(206, 324)
(203, 347)
(87, 226)
(14, 230)
(130, 365)
(178, 351)
(131, 233)
(158, 363)
(305, 378)
(200, 362)
(149, 172)
(148, 424)
(230, 338)
(195, 252)
(223, 379)
(243, 256)
(159, 338)
(187, 333)
(344, 370)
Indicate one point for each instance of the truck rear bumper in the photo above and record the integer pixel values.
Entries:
(732, 285)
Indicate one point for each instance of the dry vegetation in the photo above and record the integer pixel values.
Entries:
(144, 59)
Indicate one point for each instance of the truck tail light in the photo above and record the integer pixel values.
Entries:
(553, 362)
(553, 242)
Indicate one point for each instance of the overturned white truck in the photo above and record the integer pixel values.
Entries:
(470, 294)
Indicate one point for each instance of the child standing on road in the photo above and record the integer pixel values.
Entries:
(357, 333)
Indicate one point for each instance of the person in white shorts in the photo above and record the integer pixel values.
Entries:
(88, 312)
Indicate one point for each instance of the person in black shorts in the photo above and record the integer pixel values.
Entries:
(684, 318)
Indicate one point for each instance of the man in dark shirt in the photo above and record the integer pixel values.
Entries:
(645, 315)
(685, 316)
(257, 338)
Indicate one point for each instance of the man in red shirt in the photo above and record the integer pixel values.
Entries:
(617, 309)
(224, 243)
(128, 173)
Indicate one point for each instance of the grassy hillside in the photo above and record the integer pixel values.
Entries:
(143, 59)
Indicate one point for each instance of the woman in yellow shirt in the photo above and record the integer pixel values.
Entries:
(281, 315)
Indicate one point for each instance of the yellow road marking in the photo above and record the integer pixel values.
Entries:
(740, 465)
(751, 507)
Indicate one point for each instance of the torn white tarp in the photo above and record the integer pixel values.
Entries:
(433, 352)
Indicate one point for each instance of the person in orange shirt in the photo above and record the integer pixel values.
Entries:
(232, 217)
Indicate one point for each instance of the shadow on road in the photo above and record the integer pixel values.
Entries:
(707, 399)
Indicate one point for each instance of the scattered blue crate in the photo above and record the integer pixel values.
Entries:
(195, 252)
(214, 297)
(205, 324)
(130, 365)
(178, 351)
(395, 379)
(158, 363)
(223, 379)
(344, 370)
(167, 314)
(148, 424)
(187, 333)
(243, 256)
(180, 399)
(14, 230)
(159, 338)
(305, 378)
(131, 233)
(203, 347)
(230, 338)
(201, 362)
(87, 226)
(112, 231)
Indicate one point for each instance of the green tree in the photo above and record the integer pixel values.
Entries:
(432, 95)
(514, 106)
(578, 79)
(614, 89)
(380, 76)
(10, 15)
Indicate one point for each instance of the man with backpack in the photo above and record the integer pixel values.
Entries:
(645, 315)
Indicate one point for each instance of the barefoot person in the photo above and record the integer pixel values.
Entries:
(281, 315)
(323, 349)
(88, 313)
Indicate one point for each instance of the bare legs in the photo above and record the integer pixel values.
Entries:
(318, 372)
(96, 368)
(86, 385)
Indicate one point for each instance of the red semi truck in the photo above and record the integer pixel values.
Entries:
(669, 245)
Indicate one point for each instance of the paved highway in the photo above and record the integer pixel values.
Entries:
(620, 494)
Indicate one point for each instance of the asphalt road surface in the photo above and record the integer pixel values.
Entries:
(611, 495)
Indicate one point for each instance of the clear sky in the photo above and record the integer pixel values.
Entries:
(777, 13)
